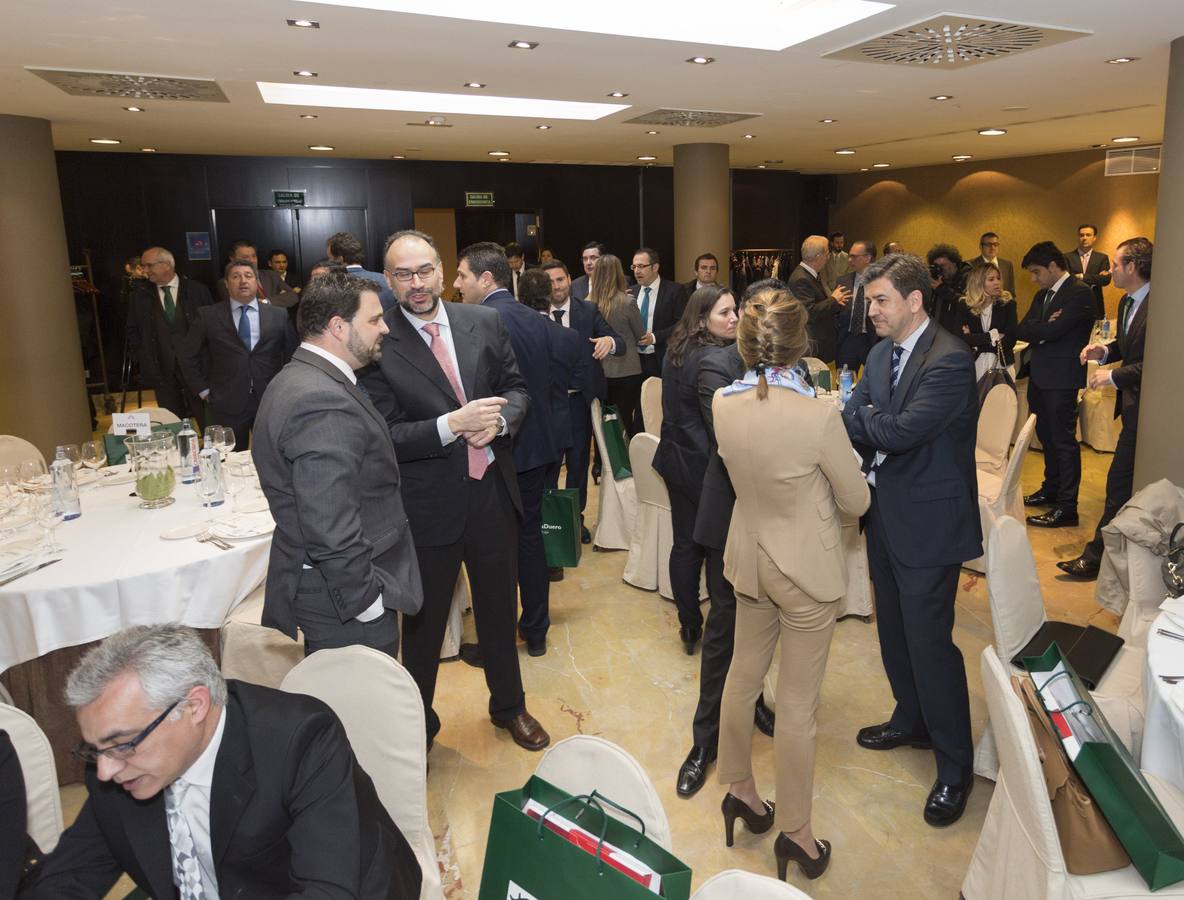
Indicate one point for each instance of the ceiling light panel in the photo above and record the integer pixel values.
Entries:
(418, 101)
(783, 23)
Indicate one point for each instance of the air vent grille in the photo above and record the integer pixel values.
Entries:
(132, 86)
(690, 118)
(1135, 161)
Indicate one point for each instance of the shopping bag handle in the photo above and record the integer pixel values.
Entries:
(594, 799)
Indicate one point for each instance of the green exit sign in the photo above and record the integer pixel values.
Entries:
(288, 198)
(478, 198)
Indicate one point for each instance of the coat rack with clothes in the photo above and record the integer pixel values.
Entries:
(753, 264)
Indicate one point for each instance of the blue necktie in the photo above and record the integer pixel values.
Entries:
(645, 309)
(897, 353)
(244, 326)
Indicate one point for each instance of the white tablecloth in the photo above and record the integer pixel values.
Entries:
(117, 571)
(1163, 734)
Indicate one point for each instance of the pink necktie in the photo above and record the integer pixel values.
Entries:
(478, 459)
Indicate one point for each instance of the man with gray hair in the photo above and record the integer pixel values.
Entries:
(805, 283)
(204, 788)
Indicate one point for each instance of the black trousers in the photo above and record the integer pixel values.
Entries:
(625, 394)
(488, 547)
(719, 638)
(1056, 426)
(915, 620)
(1120, 481)
(534, 585)
(686, 557)
(171, 394)
(575, 458)
(242, 422)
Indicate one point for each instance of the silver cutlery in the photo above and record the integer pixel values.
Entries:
(1171, 634)
(37, 568)
(208, 537)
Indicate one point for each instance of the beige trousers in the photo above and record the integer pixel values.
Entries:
(805, 627)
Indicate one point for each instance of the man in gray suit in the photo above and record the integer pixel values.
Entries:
(342, 558)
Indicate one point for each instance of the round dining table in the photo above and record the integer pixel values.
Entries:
(1163, 693)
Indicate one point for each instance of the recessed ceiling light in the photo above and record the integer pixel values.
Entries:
(504, 159)
(846, 151)
(304, 73)
(881, 165)
(749, 137)
(104, 141)
(962, 157)
(992, 132)
(303, 23)
(701, 60)
(134, 108)
(826, 121)
(474, 84)
(941, 97)
(322, 95)
(523, 45)
(1122, 60)
(319, 147)
(864, 169)
(543, 127)
(499, 152)
(1125, 139)
(647, 158)
(307, 116)
(147, 149)
(761, 166)
(398, 157)
(651, 132)
(1098, 146)
(617, 94)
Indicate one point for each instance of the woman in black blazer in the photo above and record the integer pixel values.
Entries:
(708, 321)
(986, 317)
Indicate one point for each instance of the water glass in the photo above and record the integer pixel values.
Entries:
(94, 454)
(49, 514)
(33, 474)
(73, 453)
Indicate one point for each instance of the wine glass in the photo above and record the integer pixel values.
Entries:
(10, 499)
(72, 453)
(49, 514)
(33, 474)
(94, 454)
(215, 438)
(229, 441)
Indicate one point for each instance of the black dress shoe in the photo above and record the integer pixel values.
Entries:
(693, 773)
(1085, 569)
(555, 573)
(585, 535)
(1038, 499)
(946, 803)
(885, 737)
(471, 654)
(1057, 517)
(690, 635)
(537, 648)
(764, 717)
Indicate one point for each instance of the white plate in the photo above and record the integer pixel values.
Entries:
(182, 532)
(244, 528)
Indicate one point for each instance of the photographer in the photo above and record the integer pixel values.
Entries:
(947, 274)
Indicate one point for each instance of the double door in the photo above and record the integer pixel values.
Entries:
(299, 233)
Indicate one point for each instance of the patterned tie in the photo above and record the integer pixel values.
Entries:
(478, 459)
(244, 327)
(858, 312)
(170, 307)
(186, 872)
(1047, 302)
(645, 315)
(897, 353)
(1125, 305)
(557, 315)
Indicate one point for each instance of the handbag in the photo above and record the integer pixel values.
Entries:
(561, 527)
(994, 376)
(1172, 567)
(614, 442)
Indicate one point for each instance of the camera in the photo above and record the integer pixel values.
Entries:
(935, 271)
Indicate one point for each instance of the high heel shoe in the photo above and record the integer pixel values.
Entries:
(734, 808)
(785, 849)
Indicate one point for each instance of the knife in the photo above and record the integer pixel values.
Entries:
(36, 568)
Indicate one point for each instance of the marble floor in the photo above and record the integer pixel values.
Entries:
(616, 669)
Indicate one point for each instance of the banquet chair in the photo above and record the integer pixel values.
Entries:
(996, 422)
(649, 551)
(1147, 592)
(1096, 421)
(42, 799)
(651, 406)
(454, 629)
(252, 652)
(582, 763)
(356, 681)
(732, 883)
(1002, 495)
(1018, 855)
(815, 366)
(15, 450)
(617, 511)
(156, 415)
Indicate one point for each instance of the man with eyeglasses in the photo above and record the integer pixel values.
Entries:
(201, 787)
(856, 334)
(988, 246)
(660, 302)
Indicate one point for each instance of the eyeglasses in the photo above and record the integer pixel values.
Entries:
(642, 265)
(405, 275)
(90, 753)
(989, 244)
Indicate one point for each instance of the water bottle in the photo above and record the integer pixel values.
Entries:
(64, 486)
(846, 385)
(1105, 329)
(210, 485)
(188, 448)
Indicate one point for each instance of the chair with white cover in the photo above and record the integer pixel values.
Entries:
(1147, 592)
(1002, 495)
(649, 553)
(651, 405)
(814, 365)
(733, 883)
(15, 450)
(1018, 856)
(252, 652)
(582, 764)
(616, 514)
(454, 630)
(42, 800)
(356, 681)
(156, 415)
(1095, 414)
(996, 423)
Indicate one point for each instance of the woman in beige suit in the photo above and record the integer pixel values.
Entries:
(794, 473)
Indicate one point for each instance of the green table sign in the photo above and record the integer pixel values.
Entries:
(478, 198)
(288, 198)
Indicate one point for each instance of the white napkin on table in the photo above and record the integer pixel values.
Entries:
(1174, 607)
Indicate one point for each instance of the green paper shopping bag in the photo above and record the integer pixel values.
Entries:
(573, 850)
(561, 527)
(615, 443)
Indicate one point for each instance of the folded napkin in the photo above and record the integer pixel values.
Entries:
(1174, 607)
(15, 555)
(244, 526)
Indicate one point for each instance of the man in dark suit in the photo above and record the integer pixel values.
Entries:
(207, 788)
(853, 326)
(1090, 266)
(706, 272)
(1057, 327)
(592, 251)
(277, 261)
(598, 341)
(453, 398)
(342, 560)
(160, 313)
(234, 349)
(346, 249)
(1132, 273)
(805, 283)
(483, 276)
(988, 246)
(269, 286)
(661, 303)
(912, 417)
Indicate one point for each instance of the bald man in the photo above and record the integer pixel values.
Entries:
(805, 283)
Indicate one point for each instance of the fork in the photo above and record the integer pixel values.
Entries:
(208, 537)
(1171, 679)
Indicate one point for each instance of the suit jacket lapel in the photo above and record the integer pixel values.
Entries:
(148, 832)
(880, 372)
(466, 345)
(304, 356)
(234, 781)
(405, 340)
(912, 364)
(1138, 323)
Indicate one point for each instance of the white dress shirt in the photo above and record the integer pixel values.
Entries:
(809, 269)
(648, 324)
(174, 287)
(565, 321)
(908, 344)
(1137, 298)
(195, 805)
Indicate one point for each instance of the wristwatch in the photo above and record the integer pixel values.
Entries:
(501, 425)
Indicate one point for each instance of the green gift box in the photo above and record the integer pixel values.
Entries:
(1110, 774)
(525, 859)
(615, 443)
(561, 527)
(117, 450)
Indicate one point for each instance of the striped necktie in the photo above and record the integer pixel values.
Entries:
(897, 353)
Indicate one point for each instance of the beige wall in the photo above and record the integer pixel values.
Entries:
(1025, 200)
(441, 225)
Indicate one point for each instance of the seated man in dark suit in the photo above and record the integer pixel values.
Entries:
(207, 788)
(269, 286)
(234, 349)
